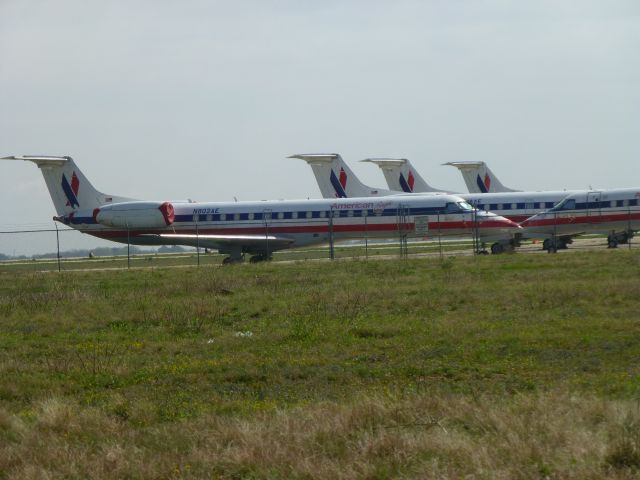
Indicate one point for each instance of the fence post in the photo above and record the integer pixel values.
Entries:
(629, 232)
(266, 217)
(128, 248)
(57, 244)
(401, 220)
(197, 241)
(439, 236)
(331, 250)
(366, 234)
(474, 235)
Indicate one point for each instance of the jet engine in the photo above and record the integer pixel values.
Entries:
(135, 215)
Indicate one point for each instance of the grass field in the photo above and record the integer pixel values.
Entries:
(517, 366)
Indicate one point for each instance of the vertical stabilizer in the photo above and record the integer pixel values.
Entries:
(336, 179)
(70, 190)
(401, 176)
(479, 178)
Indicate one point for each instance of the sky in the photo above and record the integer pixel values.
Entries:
(206, 99)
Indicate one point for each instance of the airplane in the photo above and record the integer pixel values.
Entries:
(516, 206)
(257, 228)
(613, 212)
(479, 178)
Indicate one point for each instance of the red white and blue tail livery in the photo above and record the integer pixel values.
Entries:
(401, 176)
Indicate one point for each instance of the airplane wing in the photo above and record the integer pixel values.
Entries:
(217, 241)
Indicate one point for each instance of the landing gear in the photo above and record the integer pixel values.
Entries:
(259, 258)
(231, 260)
(618, 238)
(502, 247)
(552, 245)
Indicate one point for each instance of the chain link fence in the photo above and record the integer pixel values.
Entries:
(413, 238)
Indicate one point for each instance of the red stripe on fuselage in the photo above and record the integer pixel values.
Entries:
(584, 219)
(300, 229)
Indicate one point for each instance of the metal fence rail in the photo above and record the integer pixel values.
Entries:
(413, 238)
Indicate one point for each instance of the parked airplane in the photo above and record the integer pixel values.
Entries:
(613, 212)
(256, 228)
(516, 206)
(479, 178)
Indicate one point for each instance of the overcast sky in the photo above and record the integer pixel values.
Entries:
(206, 99)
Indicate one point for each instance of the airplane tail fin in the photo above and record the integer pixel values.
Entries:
(479, 178)
(336, 179)
(70, 190)
(401, 176)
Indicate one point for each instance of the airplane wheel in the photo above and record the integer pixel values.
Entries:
(497, 248)
(259, 258)
(231, 260)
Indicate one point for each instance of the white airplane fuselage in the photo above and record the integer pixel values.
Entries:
(303, 222)
(606, 211)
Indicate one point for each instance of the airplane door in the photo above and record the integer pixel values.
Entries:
(593, 207)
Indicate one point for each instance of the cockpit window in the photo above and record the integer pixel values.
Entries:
(451, 207)
(458, 207)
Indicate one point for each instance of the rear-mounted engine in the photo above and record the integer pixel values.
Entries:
(135, 215)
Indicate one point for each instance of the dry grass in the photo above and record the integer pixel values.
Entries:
(509, 367)
(552, 435)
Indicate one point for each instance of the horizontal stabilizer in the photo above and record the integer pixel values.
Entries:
(40, 161)
(317, 157)
(383, 162)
